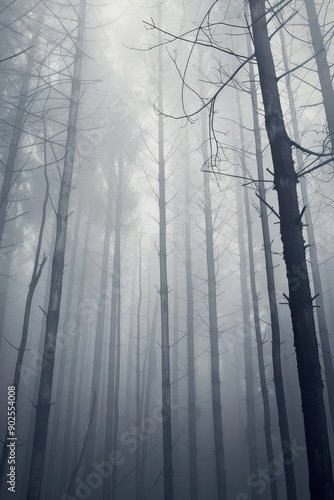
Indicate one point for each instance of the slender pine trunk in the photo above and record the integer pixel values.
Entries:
(251, 437)
(214, 335)
(192, 434)
(139, 478)
(130, 347)
(165, 363)
(44, 396)
(116, 275)
(117, 387)
(69, 405)
(98, 344)
(35, 276)
(258, 336)
(151, 367)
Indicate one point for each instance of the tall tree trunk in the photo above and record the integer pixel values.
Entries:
(130, 347)
(117, 387)
(283, 422)
(300, 299)
(98, 347)
(324, 75)
(190, 343)
(165, 364)
(69, 406)
(258, 336)
(116, 275)
(139, 478)
(213, 327)
(44, 396)
(57, 442)
(248, 349)
(148, 390)
(323, 329)
(175, 348)
(35, 276)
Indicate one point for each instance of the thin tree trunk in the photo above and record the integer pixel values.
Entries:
(213, 326)
(165, 364)
(131, 340)
(117, 387)
(69, 406)
(110, 422)
(98, 348)
(324, 75)
(71, 485)
(35, 276)
(283, 422)
(139, 478)
(148, 390)
(258, 336)
(323, 329)
(300, 300)
(251, 438)
(56, 445)
(175, 348)
(44, 396)
(190, 345)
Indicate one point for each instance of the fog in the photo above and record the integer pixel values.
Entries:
(166, 260)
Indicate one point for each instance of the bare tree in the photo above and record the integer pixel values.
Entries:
(300, 300)
(44, 396)
(193, 476)
(213, 327)
(165, 363)
(283, 422)
(322, 322)
(251, 437)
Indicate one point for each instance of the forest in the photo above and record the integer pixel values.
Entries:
(166, 249)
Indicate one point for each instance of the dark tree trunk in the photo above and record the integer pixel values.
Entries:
(98, 347)
(190, 344)
(117, 387)
(300, 300)
(115, 290)
(139, 477)
(213, 326)
(56, 444)
(258, 336)
(131, 328)
(251, 438)
(148, 389)
(165, 364)
(323, 329)
(71, 484)
(283, 422)
(175, 348)
(35, 276)
(44, 396)
(69, 406)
